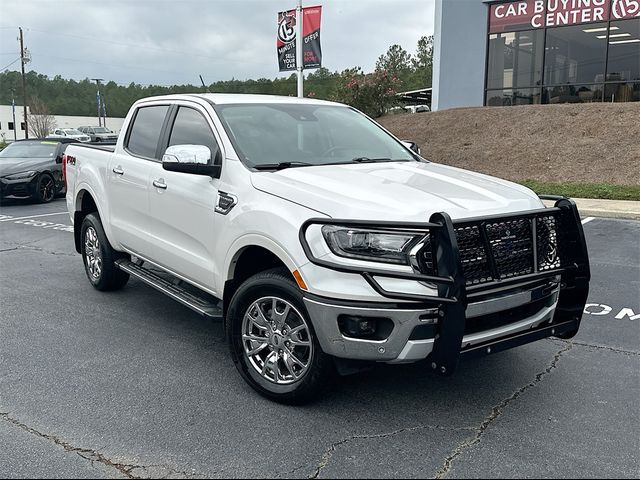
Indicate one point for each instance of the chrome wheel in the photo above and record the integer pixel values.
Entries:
(92, 253)
(277, 340)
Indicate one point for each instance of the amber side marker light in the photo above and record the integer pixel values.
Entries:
(299, 280)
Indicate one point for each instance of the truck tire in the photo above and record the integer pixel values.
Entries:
(99, 256)
(272, 341)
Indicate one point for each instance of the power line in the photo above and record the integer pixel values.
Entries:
(128, 67)
(4, 68)
(145, 47)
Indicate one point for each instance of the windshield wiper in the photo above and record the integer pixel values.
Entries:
(281, 165)
(369, 160)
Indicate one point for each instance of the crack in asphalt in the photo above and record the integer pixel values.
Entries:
(38, 249)
(496, 412)
(94, 456)
(326, 457)
(598, 347)
(290, 472)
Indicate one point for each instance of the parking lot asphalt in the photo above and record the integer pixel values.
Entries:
(132, 384)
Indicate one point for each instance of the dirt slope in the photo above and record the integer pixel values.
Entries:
(590, 143)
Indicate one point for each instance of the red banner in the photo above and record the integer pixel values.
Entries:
(528, 14)
(286, 40)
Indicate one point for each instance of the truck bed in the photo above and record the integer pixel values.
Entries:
(107, 147)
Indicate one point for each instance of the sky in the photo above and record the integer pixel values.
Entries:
(166, 42)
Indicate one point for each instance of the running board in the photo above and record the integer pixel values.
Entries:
(199, 304)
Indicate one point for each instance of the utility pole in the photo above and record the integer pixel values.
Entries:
(98, 80)
(299, 46)
(23, 60)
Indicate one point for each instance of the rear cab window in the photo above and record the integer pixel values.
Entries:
(145, 131)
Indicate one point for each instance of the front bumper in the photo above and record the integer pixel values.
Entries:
(462, 319)
(23, 187)
(527, 307)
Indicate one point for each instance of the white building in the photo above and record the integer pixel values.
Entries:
(517, 52)
(8, 128)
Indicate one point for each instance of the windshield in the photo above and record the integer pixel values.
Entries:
(30, 150)
(101, 130)
(72, 131)
(266, 134)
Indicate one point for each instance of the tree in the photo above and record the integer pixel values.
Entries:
(396, 62)
(422, 64)
(41, 122)
(373, 94)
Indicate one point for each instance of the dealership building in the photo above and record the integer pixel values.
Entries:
(535, 52)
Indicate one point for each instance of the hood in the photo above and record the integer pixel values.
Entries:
(9, 166)
(399, 191)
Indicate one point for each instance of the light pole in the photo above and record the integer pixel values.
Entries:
(98, 80)
(13, 112)
(299, 43)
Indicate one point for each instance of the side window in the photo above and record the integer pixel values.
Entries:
(145, 131)
(191, 128)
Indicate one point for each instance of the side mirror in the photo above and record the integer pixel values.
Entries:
(194, 159)
(413, 146)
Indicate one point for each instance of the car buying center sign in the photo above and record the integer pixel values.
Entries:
(286, 42)
(527, 14)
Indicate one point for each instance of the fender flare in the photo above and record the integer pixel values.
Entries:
(102, 211)
(254, 240)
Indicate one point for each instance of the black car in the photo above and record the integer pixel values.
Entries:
(33, 168)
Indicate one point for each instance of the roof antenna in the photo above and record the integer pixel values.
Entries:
(205, 87)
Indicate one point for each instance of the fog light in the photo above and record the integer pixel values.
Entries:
(366, 328)
(358, 326)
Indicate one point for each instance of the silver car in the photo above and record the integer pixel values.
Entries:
(70, 133)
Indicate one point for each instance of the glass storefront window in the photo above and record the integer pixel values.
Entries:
(515, 59)
(624, 51)
(573, 94)
(508, 97)
(575, 54)
(553, 51)
(622, 92)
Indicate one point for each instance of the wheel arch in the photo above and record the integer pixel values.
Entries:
(84, 205)
(250, 257)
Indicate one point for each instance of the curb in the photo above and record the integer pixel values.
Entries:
(589, 207)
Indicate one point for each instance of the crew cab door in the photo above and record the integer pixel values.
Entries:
(182, 205)
(128, 179)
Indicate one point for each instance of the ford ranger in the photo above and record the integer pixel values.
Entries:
(320, 240)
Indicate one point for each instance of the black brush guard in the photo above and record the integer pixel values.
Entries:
(452, 285)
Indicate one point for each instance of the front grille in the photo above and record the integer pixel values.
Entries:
(475, 261)
(500, 249)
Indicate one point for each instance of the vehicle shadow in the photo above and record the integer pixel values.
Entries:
(413, 386)
(24, 201)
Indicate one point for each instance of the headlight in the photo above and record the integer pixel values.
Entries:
(18, 176)
(371, 245)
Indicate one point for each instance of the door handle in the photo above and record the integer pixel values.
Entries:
(160, 184)
(118, 170)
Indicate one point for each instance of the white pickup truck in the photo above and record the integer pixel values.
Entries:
(323, 242)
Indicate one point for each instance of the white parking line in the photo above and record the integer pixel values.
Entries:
(587, 220)
(33, 216)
